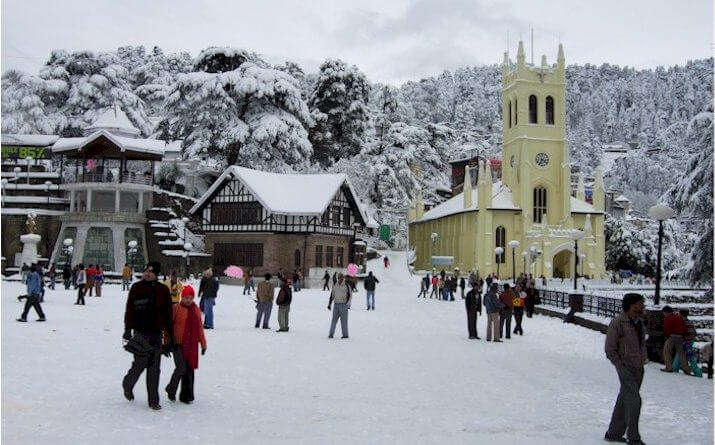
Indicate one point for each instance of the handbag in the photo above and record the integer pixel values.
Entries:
(139, 345)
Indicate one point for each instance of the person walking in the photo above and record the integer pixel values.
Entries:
(264, 301)
(98, 280)
(24, 272)
(188, 334)
(472, 279)
(370, 281)
(386, 260)
(507, 299)
(51, 276)
(75, 273)
(326, 279)
(493, 307)
(296, 281)
(674, 331)
(335, 278)
(519, 302)
(126, 277)
(625, 348)
(462, 283)
(148, 318)
(42, 282)
(341, 296)
(473, 304)
(530, 300)
(81, 284)
(175, 286)
(285, 297)
(435, 287)
(66, 276)
(208, 292)
(32, 299)
(424, 286)
(89, 274)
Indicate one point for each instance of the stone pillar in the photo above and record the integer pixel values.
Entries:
(116, 201)
(72, 200)
(89, 199)
(119, 247)
(141, 202)
(78, 254)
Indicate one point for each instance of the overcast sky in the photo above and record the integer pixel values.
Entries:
(390, 41)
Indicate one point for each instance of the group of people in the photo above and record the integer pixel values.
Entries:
(85, 280)
(678, 350)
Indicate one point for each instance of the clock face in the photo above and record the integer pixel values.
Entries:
(542, 159)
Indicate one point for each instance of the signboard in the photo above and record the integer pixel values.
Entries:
(385, 232)
(20, 152)
(442, 260)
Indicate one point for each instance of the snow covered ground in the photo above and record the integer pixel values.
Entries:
(408, 374)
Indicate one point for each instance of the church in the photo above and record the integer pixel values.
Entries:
(526, 220)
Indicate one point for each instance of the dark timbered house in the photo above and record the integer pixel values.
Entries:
(268, 222)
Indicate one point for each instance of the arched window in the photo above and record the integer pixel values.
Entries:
(549, 110)
(516, 112)
(500, 241)
(539, 204)
(509, 114)
(532, 109)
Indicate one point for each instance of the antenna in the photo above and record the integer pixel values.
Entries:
(532, 45)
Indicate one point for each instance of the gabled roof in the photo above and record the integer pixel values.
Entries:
(116, 121)
(622, 198)
(34, 140)
(578, 206)
(145, 146)
(501, 200)
(285, 194)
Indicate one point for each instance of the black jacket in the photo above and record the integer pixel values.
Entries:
(208, 288)
(461, 282)
(473, 301)
(370, 281)
(149, 309)
(66, 273)
(285, 296)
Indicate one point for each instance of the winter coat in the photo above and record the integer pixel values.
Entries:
(33, 282)
(140, 316)
(507, 298)
(673, 324)
(180, 313)
(126, 272)
(81, 277)
(264, 292)
(340, 293)
(285, 296)
(174, 290)
(208, 288)
(370, 281)
(473, 301)
(326, 277)
(66, 273)
(625, 345)
(435, 281)
(492, 303)
(183, 334)
(462, 282)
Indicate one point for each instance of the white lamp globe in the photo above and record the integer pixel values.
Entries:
(513, 244)
(660, 212)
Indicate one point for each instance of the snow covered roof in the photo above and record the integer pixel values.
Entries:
(286, 194)
(371, 223)
(115, 121)
(146, 146)
(35, 140)
(501, 200)
(622, 198)
(578, 206)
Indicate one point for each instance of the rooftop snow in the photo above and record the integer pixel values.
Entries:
(150, 146)
(578, 206)
(286, 194)
(622, 198)
(36, 140)
(501, 200)
(114, 119)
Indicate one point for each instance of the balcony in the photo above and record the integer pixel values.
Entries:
(108, 177)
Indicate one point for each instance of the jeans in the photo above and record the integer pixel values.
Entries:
(247, 288)
(80, 294)
(518, 316)
(627, 410)
(34, 302)
(209, 312)
(371, 297)
(152, 363)
(283, 312)
(67, 283)
(264, 309)
(296, 285)
(182, 373)
(505, 321)
(126, 283)
(340, 310)
(51, 284)
(472, 323)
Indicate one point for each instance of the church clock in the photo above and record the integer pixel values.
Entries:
(542, 159)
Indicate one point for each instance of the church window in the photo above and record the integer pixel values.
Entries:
(500, 241)
(509, 114)
(539, 204)
(549, 110)
(516, 112)
(532, 109)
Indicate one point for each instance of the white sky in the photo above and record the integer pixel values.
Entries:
(390, 41)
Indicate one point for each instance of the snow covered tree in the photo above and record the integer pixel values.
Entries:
(339, 105)
(251, 115)
(23, 109)
(693, 195)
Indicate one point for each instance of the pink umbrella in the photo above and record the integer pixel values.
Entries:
(233, 272)
(352, 270)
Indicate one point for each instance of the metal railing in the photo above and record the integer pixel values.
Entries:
(110, 178)
(593, 304)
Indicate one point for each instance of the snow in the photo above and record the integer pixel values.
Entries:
(622, 198)
(35, 175)
(17, 211)
(182, 252)
(34, 199)
(147, 146)
(285, 194)
(501, 200)
(21, 186)
(36, 140)
(407, 374)
(578, 206)
(115, 121)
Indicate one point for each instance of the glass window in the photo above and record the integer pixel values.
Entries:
(339, 257)
(235, 213)
(516, 112)
(129, 202)
(532, 109)
(549, 110)
(509, 114)
(318, 256)
(102, 201)
(238, 254)
(99, 248)
(539, 204)
(500, 241)
(329, 256)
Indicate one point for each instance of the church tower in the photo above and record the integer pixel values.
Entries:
(535, 162)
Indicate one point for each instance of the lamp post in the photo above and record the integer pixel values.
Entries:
(28, 160)
(576, 235)
(525, 254)
(187, 249)
(499, 251)
(4, 190)
(16, 170)
(47, 189)
(659, 212)
(68, 249)
(514, 244)
(132, 251)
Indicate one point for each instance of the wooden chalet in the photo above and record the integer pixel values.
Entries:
(271, 222)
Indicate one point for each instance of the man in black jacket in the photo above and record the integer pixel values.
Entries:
(285, 296)
(148, 314)
(326, 278)
(473, 304)
(370, 281)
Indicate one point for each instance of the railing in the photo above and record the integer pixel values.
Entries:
(110, 178)
(593, 304)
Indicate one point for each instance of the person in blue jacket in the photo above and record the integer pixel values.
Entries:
(34, 289)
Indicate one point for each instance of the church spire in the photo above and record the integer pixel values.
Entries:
(520, 55)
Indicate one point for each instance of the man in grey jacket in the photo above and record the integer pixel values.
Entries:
(493, 307)
(340, 295)
(625, 348)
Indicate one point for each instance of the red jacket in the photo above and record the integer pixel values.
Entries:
(673, 324)
(507, 297)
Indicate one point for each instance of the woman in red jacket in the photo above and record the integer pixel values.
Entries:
(188, 332)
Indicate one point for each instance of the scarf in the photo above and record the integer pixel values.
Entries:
(190, 339)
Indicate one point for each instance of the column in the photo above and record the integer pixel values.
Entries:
(89, 199)
(116, 201)
(141, 202)
(72, 200)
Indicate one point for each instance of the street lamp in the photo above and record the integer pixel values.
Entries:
(659, 212)
(132, 251)
(582, 259)
(16, 170)
(576, 235)
(514, 244)
(28, 160)
(47, 189)
(187, 248)
(68, 249)
(499, 251)
(525, 254)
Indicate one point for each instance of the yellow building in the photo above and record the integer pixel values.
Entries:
(531, 203)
